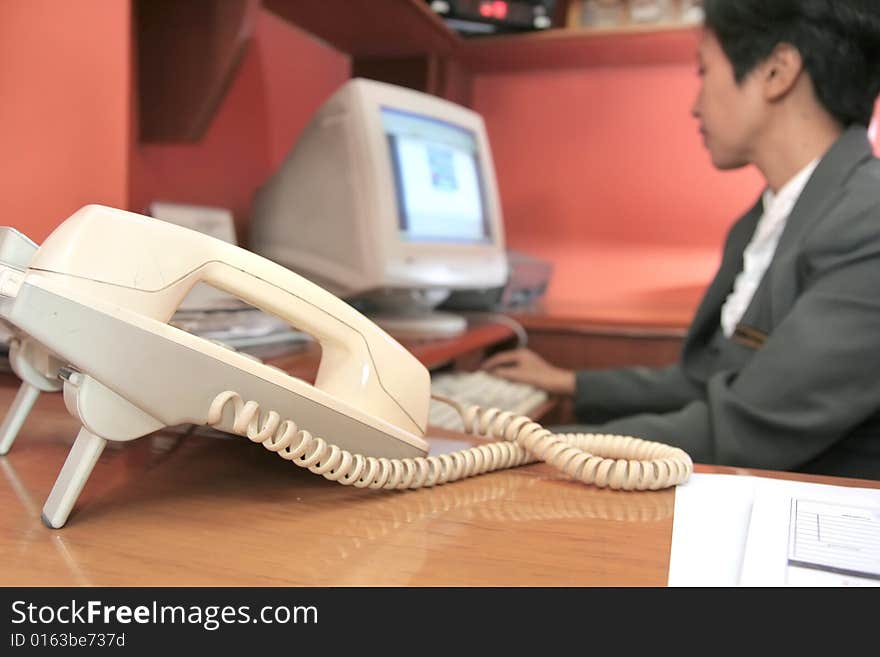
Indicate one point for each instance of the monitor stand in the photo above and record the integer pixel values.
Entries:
(424, 325)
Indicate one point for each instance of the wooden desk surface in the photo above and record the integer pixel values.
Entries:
(653, 312)
(172, 511)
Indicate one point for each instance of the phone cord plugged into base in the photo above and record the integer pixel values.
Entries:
(618, 462)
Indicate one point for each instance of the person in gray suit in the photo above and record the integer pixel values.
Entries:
(780, 368)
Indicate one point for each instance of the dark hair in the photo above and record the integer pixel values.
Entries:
(839, 42)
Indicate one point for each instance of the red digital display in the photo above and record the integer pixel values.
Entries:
(494, 9)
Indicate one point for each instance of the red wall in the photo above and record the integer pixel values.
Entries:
(64, 109)
(283, 78)
(603, 172)
(593, 160)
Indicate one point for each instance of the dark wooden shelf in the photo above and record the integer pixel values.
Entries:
(406, 28)
(579, 48)
(187, 56)
(371, 28)
(189, 52)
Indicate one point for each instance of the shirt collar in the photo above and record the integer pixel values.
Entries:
(791, 190)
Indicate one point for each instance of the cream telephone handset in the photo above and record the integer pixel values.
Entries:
(93, 304)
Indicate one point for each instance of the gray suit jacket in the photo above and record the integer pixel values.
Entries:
(798, 386)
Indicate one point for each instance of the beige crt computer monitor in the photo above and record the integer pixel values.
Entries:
(387, 198)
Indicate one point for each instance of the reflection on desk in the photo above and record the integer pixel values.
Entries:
(176, 511)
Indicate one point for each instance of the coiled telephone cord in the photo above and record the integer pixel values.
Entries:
(618, 462)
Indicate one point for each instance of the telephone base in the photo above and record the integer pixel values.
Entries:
(429, 325)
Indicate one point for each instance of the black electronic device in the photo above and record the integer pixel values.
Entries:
(480, 17)
(527, 281)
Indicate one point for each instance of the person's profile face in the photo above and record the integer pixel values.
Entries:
(728, 111)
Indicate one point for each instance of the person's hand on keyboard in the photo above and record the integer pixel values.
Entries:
(480, 389)
(525, 366)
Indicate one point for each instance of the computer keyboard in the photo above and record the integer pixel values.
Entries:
(483, 389)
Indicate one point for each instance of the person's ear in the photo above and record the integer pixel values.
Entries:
(780, 71)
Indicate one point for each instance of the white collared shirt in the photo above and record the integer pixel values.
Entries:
(762, 246)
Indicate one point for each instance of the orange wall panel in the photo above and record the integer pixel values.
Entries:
(602, 171)
(64, 109)
(607, 155)
(300, 73)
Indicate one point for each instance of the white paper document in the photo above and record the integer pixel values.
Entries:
(753, 531)
(709, 527)
(812, 535)
(837, 538)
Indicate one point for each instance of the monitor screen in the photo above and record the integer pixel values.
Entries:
(440, 193)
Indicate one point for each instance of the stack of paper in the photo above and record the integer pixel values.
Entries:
(733, 530)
